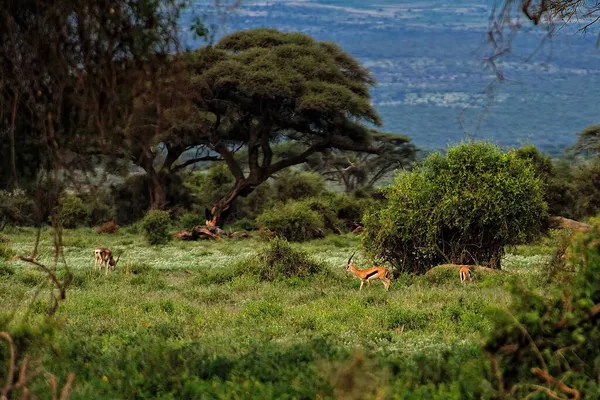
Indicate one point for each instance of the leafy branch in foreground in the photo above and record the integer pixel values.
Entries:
(25, 375)
(547, 345)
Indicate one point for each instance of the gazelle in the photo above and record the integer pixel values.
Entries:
(465, 274)
(105, 256)
(367, 275)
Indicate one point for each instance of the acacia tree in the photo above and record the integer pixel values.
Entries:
(364, 169)
(261, 87)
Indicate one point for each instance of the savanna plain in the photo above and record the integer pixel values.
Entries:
(193, 320)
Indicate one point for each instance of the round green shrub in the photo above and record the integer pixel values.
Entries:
(156, 227)
(462, 208)
(72, 211)
(279, 260)
(294, 221)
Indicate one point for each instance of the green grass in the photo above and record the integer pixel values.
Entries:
(155, 331)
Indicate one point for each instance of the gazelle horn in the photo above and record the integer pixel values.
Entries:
(351, 258)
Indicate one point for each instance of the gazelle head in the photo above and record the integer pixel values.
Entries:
(350, 264)
(112, 262)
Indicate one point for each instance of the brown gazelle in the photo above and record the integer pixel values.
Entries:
(465, 274)
(367, 275)
(105, 257)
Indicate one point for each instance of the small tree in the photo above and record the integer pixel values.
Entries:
(462, 207)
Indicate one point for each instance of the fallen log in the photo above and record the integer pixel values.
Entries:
(200, 232)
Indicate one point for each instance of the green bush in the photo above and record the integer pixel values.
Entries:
(243, 224)
(277, 260)
(156, 227)
(559, 195)
(100, 207)
(463, 207)
(72, 212)
(350, 209)
(16, 208)
(131, 199)
(553, 336)
(294, 220)
(291, 185)
(326, 212)
(190, 220)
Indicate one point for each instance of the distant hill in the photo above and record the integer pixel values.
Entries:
(432, 82)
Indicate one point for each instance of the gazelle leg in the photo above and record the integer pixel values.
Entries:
(361, 285)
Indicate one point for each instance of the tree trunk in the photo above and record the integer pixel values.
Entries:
(14, 180)
(158, 195)
(156, 184)
(221, 209)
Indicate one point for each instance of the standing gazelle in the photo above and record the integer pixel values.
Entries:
(465, 274)
(105, 257)
(367, 275)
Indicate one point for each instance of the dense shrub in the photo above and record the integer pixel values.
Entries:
(278, 260)
(16, 208)
(326, 211)
(156, 227)
(131, 198)
(294, 220)
(100, 205)
(558, 192)
(292, 185)
(350, 209)
(108, 227)
(462, 207)
(72, 211)
(550, 337)
(190, 220)
(582, 180)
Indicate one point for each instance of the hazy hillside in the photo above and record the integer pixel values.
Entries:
(425, 55)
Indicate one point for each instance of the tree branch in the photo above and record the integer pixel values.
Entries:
(297, 159)
(194, 161)
(233, 165)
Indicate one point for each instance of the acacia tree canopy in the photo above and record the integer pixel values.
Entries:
(262, 87)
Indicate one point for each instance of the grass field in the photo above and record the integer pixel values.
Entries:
(152, 330)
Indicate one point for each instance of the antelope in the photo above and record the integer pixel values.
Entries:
(465, 274)
(366, 275)
(105, 257)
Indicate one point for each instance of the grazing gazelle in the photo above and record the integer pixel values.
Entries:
(367, 275)
(105, 256)
(465, 274)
